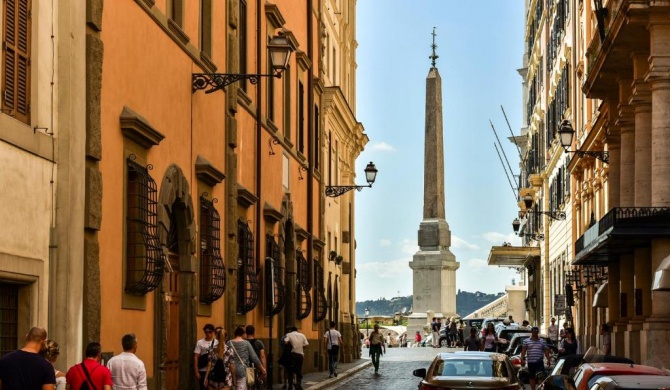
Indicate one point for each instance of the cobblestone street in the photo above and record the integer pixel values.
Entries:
(395, 370)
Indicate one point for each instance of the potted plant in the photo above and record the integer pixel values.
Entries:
(332, 255)
(339, 259)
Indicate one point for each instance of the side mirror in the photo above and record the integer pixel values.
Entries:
(421, 373)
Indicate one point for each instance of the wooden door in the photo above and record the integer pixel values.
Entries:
(172, 355)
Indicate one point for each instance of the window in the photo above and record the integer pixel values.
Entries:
(9, 318)
(285, 173)
(248, 287)
(206, 27)
(144, 255)
(274, 274)
(242, 31)
(271, 90)
(212, 269)
(303, 286)
(301, 118)
(334, 66)
(175, 11)
(286, 75)
(317, 139)
(16, 60)
(330, 157)
(320, 303)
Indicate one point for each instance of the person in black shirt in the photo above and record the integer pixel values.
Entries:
(25, 369)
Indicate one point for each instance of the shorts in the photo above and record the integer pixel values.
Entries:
(535, 367)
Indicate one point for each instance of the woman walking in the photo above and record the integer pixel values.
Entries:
(490, 339)
(569, 345)
(221, 366)
(376, 345)
(244, 357)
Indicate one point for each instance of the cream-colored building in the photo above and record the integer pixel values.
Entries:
(42, 137)
(601, 76)
(343, 141)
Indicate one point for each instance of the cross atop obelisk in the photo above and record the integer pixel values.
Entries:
(433, 266)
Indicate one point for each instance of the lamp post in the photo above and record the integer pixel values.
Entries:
(280, 53)
(528, 203)
(516, 224)
(367, 327)
(566, 133)
(370, 176)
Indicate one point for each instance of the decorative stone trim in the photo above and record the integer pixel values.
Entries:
(318, 244)
(208, 173)
(274, 15)
(177, 31)
(346, 268)
(208, 61)
(245, 198)
(346, 237)
(271, 214)
(138, 129)
(301, 233)
(303, 60)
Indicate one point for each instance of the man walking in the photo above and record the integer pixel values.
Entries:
(435, 329)
(25, 369)
(298, 342)
(127, 369)
(90, 371)
(536, 349)
(332, 340)
(607, 339)
(553, 331)
(376, 345)
(201, 354)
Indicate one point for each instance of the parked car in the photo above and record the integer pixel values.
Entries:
(588, 373)
(630, 382)
(567, 365)
(472, 322)
(507, 333)
(514, 346)
(468, 371)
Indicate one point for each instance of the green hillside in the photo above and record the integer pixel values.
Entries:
(466, 303)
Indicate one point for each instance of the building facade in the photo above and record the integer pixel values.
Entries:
(593, 173)
(153, 202)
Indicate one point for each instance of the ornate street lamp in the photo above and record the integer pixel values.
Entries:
(280, 54)
(515, 226)
(370, 176)
(566, 133)
(528, 202)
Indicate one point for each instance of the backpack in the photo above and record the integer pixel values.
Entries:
(218, 373)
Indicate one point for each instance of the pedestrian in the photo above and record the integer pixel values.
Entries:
(244, 357)
(25, 369)
(461, 329)
(128, 371)
(259, 348)
(50, 353)
(298, 342)
(552, 331)
(221, 366)
(376, 345)
(332, 340)
(435, 329)
(201, 354)
(285, 357)
(90, 371)
(564, 329)
(472, 342)
(569, 345)
(453, 333)
(536, 350)
(417, 339)
(525, 325)
(607, 339)
(490, 339)
(511, 320)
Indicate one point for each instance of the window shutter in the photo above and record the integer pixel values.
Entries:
(16, 60)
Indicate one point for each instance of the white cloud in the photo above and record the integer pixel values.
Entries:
(476, 264)
(409, 247)
(498, 238)
(384, 242)
(382, 147)
(460, 243)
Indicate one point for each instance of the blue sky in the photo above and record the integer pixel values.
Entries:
(480, 47)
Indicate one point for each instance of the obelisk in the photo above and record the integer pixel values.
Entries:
(434, 266)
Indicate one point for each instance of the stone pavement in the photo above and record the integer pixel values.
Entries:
(395, 371)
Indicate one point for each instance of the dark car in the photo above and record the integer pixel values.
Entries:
(506, 335)
(469, 371)
(472, 322)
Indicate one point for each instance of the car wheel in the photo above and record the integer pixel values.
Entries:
(444, 343)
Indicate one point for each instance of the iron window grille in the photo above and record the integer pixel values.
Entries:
(275, 290)
(9, 317)
(212, 268)
(320, 304)
(304, 300)
(248, 287)
(144, 255)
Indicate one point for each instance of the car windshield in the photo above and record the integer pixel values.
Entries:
(471, 367)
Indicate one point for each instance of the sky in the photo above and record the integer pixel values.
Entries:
(480, 47)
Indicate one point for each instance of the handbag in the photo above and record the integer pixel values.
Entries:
(251, 372)
(203, 360)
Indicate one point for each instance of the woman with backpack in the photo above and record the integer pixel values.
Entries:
(221, 366)
(244, 358)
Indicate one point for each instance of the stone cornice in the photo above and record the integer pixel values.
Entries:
(245, 198)
(138, 129)
(303, 61)
(207, 172)
(273, 15)
(271, 214)
(300, 233)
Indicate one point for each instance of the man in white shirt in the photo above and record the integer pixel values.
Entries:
(298, 342)
(553, 331)
(127, 369)
(333, 340)
(201, 354)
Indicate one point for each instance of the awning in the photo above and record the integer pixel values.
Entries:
(512, 256)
